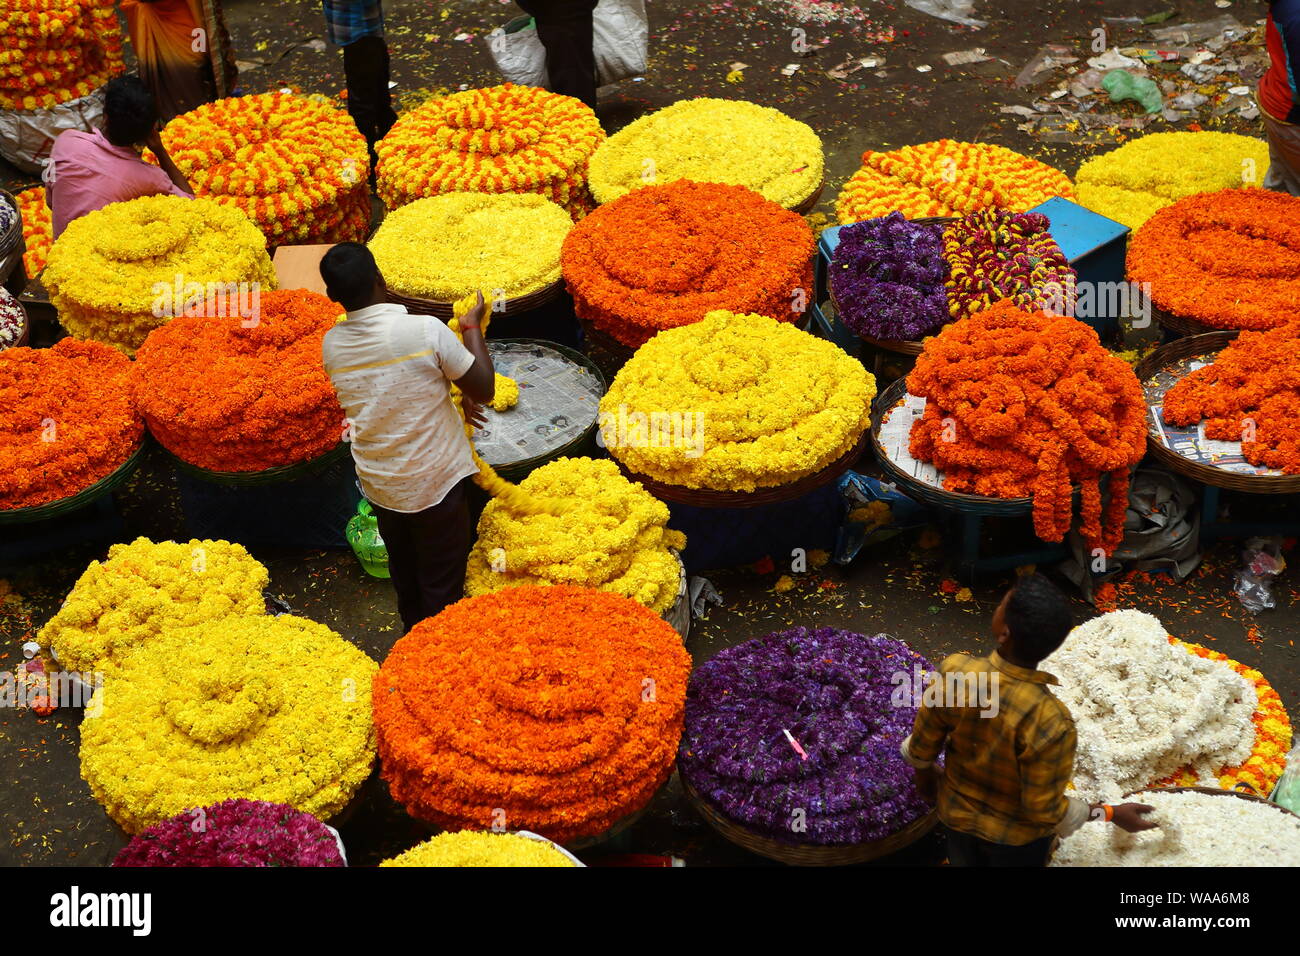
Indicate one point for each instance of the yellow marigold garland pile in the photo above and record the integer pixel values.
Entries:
(56, 50)
(446, 247)
(146, 588)
(613, 536)
(501, 139)
(712, 141)
(948, 178)
(735, 403)
(295, 165)
(38, 228)
(113, 274)
(255, 707)
(473, 848)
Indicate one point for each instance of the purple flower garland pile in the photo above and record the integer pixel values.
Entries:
(887, 278)
(235, 833)
(832, 690)
(898, 280)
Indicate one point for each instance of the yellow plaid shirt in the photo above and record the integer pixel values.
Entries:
(1004, 775)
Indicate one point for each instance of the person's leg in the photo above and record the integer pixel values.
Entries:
(365, 67)
(403, 563)
(1031, 854)
(1283, 157)
(443, 539)
(565, 30)
(963, 849)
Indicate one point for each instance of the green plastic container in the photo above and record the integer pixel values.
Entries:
(363, 534)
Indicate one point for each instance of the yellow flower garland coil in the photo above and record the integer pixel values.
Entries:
(716, 141)
(1130, 184)
(113, 271)
(143, 589)
(258, 707)
(757, 403)
(446, 247)
(612, 536)
(474, 848)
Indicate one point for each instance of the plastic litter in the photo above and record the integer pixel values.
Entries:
(1262, 563)
(954, 11)
(363, 534)
(702, 594)
(1122, 85)
(1287, 792)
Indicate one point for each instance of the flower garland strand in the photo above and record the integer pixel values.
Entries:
(735, 403)
(68, 420)
(994, 255)
(551, 709)
(712, 141)
(296, 166)
(1250, 394)
(948, 178)
(56, 51)
(612, 536)
(1229, 260)
(1028, 404)
(662, 256)
(38, 228)
(146, 588)
(228, 395)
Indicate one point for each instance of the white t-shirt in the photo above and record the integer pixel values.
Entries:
(392, 372)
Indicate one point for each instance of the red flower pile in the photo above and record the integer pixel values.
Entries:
(662, 256)
(242, 394)
(1020, 404)
(553, 709)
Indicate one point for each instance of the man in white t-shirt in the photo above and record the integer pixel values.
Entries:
(393, 373)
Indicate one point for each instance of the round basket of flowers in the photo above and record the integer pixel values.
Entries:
(118, 273)
(553, 709)
(713, 141)
(1223, 260)
(662, 256)
(70, 432)
(434, 252)
(503, 139)
(295, 165)
(947, 178)
(477, 848)
(613, 537)
(252, 706)
(791, 747)
(236, 832)
(736, 411)
(242, 395)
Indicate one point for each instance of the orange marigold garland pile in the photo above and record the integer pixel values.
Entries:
(501, 139)
(1027, 404)
(552, 709)
(66, 420)
(1267, 760)
(295, 165)
(948, 178)
(227, 397)
(38, 228)
(661, 257)
(1229, 259)
(56, 51)
(1250, 394)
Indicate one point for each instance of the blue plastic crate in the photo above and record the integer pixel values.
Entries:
(1096, 247)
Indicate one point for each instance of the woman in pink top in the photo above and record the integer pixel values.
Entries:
(87, 171)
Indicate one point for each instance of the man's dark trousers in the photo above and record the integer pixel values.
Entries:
(564, 27)
(966, 849)
(365, 66)
(427, 554)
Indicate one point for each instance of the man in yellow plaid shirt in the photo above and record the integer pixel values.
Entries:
(1008, 742)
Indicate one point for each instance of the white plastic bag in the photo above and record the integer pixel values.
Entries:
(620, 41)
(27, 136)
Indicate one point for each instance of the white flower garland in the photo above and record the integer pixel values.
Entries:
(1144, 707)
(1195, 829)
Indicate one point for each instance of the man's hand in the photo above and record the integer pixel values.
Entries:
(473, 319)
(154, 142)
(473, 411)
(1129, 816)
(927, 783)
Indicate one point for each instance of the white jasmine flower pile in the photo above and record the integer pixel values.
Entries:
(1195, 829)
(1144, 708)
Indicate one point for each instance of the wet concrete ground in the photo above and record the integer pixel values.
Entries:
(898, 587)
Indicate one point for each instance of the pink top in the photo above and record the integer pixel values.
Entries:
(89, 172)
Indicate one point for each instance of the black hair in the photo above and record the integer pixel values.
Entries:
(1038, 617)
(349, 272)
(130, 113)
